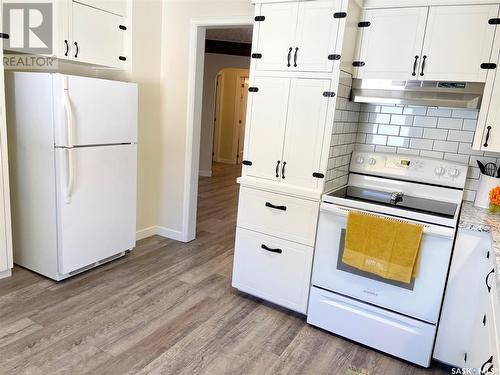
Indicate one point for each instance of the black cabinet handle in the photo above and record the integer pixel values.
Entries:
(277, 251)
(487, 279)
(270, 205)
(488, 129)
(283, 170)
(289, 56)
(415, 66)
(484, 320)
(487, 367)
(423, 64)
(295, 56)
(77, 50)
(67, 47)
(277, 168)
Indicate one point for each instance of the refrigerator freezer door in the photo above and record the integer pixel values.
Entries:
(103, 112)
(98, 220)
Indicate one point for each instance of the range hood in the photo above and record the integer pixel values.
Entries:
(423, 93)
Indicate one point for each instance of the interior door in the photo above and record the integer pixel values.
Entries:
(103, 111)
(306, 120)
(316, 35)
(266, 127)
(96, 218)
(457, 41)
(276, 36)
(391, 46)
(242, 116)
(98, 37)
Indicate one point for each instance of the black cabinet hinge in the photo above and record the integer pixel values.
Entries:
(122, 27)
(4, 36)
(318, 175)
(246, 162)
(260, 18)
(334, 57)
(256, 55)
(488, 66)
(364, 24)
(494, 21)
(253, 89)
(340, 15)
(328, 94)
(122, 58)
(358, 63)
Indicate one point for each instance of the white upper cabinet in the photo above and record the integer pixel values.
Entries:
(316, 36)
(285, 130)
(307, 110)
(297, 36)
(276, 36)
(458, 40)
(98, 37)
(427, 43)
(392, 43)
(487, 136)
(266, 127)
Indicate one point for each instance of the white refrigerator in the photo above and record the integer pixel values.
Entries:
(73, 168)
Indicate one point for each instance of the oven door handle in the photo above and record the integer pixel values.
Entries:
(429, 229)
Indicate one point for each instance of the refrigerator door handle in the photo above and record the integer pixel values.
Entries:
(71, 175)
(69, 113)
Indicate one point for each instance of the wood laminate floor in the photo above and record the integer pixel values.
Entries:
(168, 308)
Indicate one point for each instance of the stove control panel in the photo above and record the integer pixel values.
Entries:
(411, 168)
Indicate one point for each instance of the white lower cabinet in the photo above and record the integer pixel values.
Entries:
(274, 269)
(467, 334)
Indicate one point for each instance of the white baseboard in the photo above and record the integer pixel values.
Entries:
(160, 231)
(205, 173)
(5, 274)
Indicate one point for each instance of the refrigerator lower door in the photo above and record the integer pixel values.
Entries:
(96, 198)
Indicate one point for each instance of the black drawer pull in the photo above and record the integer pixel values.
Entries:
(289, 57)
(256, 55)
(283, 170)
(318, 175)
(295, 56)
(358, 64)
(77, 50)
(4, 36)
(122, 58)
(253, 89)
(334, 57)
(278, 169)
(122, 27)
(270, 205)
(67, 47)
(487, 367)
(340, 15)
(487, 278)
(488, 129)
(484, 320)
(488, 66)
(277, 251)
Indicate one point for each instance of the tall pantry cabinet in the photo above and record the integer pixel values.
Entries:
(294, 76)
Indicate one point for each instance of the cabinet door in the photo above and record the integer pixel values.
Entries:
(392, 44)
(97, 37)
(487, 136)
(316, 36)
(276, 36)
(458, 40)
(113, 6)
(266, 127)
(305, 128)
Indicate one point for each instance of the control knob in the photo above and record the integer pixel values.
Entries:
(372, 161)
(360, 160)
(454, 172)
(439, 171)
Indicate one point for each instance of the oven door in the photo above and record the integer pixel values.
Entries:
(421, 299)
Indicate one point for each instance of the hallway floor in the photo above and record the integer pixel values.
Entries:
(168, 308)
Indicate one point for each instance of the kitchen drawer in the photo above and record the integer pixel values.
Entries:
(276, 270)
(381, 329)
(278, 215)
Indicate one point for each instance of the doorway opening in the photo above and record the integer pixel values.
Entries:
(218, 87)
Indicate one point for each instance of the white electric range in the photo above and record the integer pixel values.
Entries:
(396, 318)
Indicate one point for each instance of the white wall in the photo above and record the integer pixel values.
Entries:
(214, 63)
(145, 70)
(177, 15)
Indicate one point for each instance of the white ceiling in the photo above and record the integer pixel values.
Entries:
(239, 35)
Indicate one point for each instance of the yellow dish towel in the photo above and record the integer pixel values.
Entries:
(385, 247)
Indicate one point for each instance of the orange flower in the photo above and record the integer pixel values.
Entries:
(495, 196)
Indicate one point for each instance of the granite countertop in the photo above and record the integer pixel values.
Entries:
(482, 220)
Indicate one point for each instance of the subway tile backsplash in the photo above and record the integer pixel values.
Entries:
(440, 133)
(432, 132)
